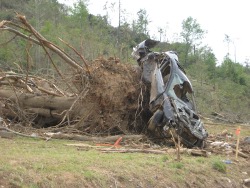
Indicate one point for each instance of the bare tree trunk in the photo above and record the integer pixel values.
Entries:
(34, 101)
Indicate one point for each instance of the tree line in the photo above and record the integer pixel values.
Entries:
(225, 87)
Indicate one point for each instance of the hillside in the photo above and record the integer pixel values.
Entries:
(225, 88)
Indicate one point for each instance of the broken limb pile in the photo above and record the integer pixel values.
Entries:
(105, 106)
(98, 97)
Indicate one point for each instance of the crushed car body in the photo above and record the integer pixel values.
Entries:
(171, 95)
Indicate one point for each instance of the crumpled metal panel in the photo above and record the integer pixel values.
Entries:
(169, 103)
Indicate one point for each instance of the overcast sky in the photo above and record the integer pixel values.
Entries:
(217, 17)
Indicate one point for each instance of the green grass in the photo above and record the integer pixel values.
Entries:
(27, 162)
(214, 129)
(220, 166)
(177, 165)
(165, 158)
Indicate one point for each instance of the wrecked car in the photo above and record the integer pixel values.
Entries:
(171, 96)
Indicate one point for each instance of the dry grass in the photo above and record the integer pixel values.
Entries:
(28, 162)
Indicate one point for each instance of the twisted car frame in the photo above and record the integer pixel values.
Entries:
(171, 96)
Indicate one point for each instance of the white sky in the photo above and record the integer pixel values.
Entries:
(217, 17)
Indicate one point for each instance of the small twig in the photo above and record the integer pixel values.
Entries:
(48, 92)
(21, 134)
(139, 105)
(40, 40)
(178, 149)
(44, 42)
(82, 58)
(29, 64)
(110, 150)
(20, 34)
(3, 44)
(22, 114)
(59, 90)
(72, 106)
(177, 145)
(18, 26)
(26, 86)
(54, 65)
(173, 138)
(19, 68)
(78, 124)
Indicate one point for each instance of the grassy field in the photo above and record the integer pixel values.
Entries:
(28, 162)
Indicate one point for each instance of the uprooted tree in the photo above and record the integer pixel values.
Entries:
(102, 96)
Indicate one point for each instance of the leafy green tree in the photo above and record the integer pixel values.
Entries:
(233, 71)
(80, 13)
(208, 57)
(142, 22)
(191, 34)
(180, 48)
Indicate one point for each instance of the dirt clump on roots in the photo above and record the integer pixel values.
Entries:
(113, 94)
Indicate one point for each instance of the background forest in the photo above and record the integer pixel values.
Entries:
(220, 87)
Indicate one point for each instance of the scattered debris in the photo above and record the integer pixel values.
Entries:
(81, 106)
(116, 138)
(247, 140)
(246, 182)
(6, 134)
(115, 145)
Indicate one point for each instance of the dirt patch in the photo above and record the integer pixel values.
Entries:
(112, 98)
(3, 181)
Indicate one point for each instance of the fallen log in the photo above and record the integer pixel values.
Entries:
(57, 114)
(82, 145)
(202, 153)
(34, 101)
(110, 150)
(111, 139)
(24, 105)
(163, 151)
(47, 113)
(9, 133)
(241, 154)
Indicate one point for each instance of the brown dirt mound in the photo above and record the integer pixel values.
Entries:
(112, 98)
